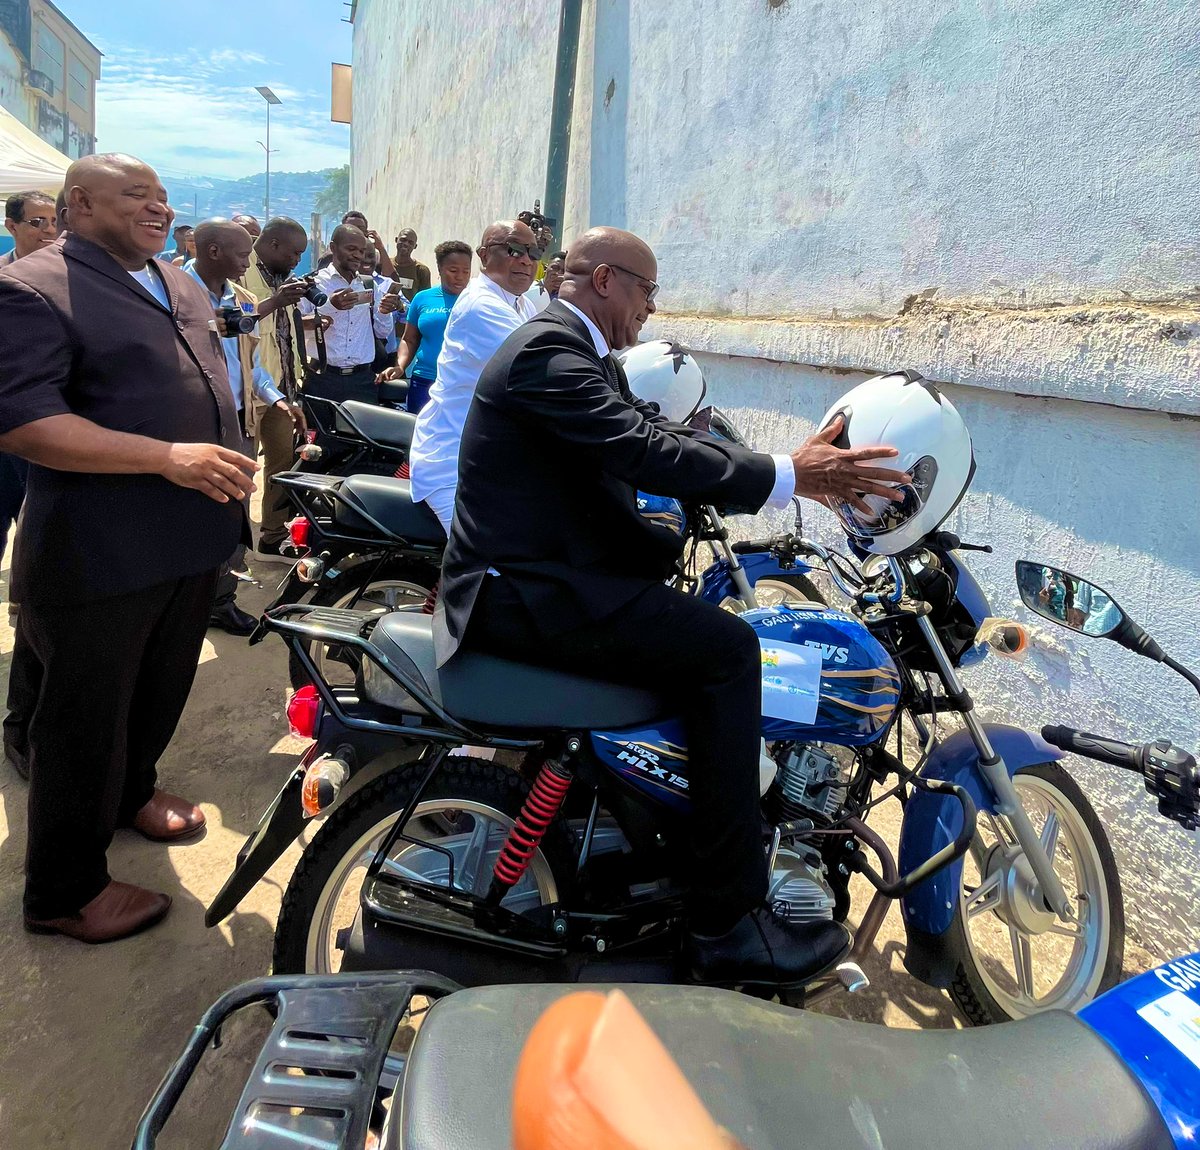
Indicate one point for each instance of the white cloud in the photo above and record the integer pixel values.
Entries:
(189, 114)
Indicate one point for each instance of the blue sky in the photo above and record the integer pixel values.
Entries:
(177, 82)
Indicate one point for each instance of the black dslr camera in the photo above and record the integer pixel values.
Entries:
(237, 322)
(536, 220)
(313, 292)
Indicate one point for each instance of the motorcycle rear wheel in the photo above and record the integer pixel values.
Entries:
(468, 809)
(1014, 958)
(396, 586)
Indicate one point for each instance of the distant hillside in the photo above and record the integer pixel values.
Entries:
(292, 194)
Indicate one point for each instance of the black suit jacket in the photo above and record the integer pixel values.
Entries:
(79, 335)
(553, 455)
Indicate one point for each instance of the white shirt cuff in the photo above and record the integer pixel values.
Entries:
(785, 482)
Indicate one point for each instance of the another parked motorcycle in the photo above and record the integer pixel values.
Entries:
(407, 1062)
(359, 541)
(354, 438)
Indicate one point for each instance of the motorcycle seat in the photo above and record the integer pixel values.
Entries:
(783, 1079)
(383, 425)
(389, 501)
(488, 691)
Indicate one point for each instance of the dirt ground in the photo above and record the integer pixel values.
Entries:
(87, 1032)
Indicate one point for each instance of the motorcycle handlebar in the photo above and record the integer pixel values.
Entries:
(1094, 747)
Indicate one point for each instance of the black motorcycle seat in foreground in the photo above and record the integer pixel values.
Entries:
(384, 425)
(782, 1079)
(389, 502)
(488, 691)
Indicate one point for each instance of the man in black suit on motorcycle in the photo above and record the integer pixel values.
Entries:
(549, 562)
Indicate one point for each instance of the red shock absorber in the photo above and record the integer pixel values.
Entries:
(431, 599)
(402, 472)
(539, 811)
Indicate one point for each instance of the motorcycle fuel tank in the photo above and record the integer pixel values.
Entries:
(826, 678)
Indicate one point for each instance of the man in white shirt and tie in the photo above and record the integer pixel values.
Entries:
(359, 317)
(492, 306)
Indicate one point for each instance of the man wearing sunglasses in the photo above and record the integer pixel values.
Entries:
(550, 562)
(490, 308)
(29, 218)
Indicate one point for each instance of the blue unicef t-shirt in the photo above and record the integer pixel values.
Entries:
(429, 311)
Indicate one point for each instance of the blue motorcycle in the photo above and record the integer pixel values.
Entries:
(556, 855)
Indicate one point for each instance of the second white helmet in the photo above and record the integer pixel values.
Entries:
(905, 411)
(665, 374)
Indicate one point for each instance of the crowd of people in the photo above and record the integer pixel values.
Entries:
(141, 391)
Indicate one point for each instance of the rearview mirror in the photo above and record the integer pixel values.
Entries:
(1069, 601)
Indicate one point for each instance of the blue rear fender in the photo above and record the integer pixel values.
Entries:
(718, 584)
(933, 821)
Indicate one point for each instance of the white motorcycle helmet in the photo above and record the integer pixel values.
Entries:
(905, 411)
(666, 374)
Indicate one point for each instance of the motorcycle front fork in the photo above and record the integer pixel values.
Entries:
(737, 573)
(1008, 802)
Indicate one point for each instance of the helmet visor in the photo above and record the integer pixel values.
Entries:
(884, 514)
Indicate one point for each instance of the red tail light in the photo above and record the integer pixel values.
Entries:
(298, 531)
(302, 712)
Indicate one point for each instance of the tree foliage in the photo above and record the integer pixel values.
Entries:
(334, 199)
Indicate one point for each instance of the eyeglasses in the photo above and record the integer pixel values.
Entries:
(533, 251)
(39, 221)
(648, 286)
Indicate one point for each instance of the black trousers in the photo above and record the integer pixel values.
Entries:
(227, 582)
(14, 472)
(707, 662)
(113, 678)
(333, 386)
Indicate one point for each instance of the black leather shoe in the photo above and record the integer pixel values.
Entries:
(230, 617)
(763, 950)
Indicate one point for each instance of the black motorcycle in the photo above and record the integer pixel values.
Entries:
(354, 438)
(359, 542)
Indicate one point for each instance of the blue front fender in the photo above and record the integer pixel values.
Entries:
(718, 583)
(933, 821)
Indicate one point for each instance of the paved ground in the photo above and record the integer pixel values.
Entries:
(86, 1032)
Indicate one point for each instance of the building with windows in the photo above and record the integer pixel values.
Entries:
(48, 75)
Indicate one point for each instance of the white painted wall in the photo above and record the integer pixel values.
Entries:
(1004, 194)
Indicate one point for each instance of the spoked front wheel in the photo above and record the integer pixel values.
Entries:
(1015, 957)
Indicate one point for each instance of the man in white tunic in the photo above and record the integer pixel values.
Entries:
(492, 306)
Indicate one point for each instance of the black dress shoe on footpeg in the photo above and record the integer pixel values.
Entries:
(764, 950)
(231, 618)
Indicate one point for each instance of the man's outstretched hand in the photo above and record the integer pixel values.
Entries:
(216, 471)
(824, 471)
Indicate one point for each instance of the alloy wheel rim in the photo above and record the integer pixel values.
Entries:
(478, 849)
(1028, 959)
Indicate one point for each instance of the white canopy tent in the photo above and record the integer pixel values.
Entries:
(26, 160)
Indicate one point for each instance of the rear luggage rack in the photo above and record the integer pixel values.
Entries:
(349, 628)
(322, 1068)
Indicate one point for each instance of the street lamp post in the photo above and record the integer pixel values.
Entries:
(270, 98)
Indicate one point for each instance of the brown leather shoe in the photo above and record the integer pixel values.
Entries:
(118, 911)
(167, 817)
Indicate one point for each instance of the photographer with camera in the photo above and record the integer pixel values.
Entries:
(222, 256)
(277, 252)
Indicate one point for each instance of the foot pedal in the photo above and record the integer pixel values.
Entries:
(852, 977)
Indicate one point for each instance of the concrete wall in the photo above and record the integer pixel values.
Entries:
(1003, 194)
